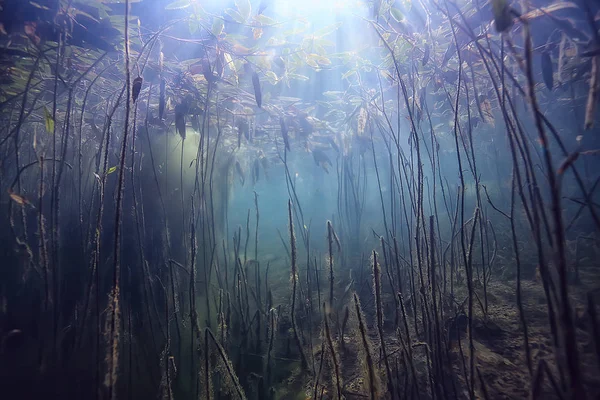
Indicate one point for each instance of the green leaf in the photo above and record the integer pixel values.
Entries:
(111, 170)
(406, 4)
(323, 60)
(229, 62)
(396, 14)
(36, 5)
(271, 77)
(217, 26)
(289, 99)
(333, 94)
(235, 15)
(320, 50)
(49, 122)
(244, 8)
(349, 73)
(297, 77)
(79, 12)
(311, 62)
(264, 20)
(190, 62)
(178, 5)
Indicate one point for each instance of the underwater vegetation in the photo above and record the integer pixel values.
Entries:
(254, 199)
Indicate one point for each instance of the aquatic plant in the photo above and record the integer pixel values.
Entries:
(334, 357)
(367, 360)
(146, 146)
(294, 276)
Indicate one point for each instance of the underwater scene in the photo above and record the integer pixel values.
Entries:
(299, 199)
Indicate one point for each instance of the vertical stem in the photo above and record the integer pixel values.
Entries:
(379, 312)
(294, 284)
(565, 313)
(336, 366)
(373, 389)
(331, 276)
(114, 321)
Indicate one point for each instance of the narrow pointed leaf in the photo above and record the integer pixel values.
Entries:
(48, 121)
(161, 99)
(257, 90)
(396, 14)
(178, 5)
(180, 120)
(136, 87)
(217, 27)
(547, 70)
(20, 200)
(244, 8)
